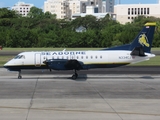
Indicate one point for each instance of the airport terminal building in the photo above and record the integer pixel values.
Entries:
(127, 12)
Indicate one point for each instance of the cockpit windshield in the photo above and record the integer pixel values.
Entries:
(20, 57)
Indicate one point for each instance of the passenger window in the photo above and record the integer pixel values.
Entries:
(96, 57)
(101, 57)
(91, 57)
(86, 57)
(81, 57)
(43, 53)
(77, 57)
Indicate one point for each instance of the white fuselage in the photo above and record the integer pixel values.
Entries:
(36, 59)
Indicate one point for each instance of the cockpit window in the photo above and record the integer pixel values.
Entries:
(20, 57)
(17, 57)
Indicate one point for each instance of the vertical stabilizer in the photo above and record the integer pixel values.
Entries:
(144, 38)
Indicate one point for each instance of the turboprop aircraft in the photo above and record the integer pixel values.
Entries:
(137, 51)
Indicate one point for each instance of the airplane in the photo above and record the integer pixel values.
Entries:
(138, 50)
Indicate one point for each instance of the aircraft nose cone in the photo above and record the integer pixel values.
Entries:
(5, 65)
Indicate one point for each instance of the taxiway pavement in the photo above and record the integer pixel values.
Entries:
(95, 97)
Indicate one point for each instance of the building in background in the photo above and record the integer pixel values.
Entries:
(110, 5)
(102, 6)
(22, 8)
(71, 9)
(67, 8)
(98, 3)
(58, 7)
(127, 12)
(75, 6)
(63, 8)
(90, 10)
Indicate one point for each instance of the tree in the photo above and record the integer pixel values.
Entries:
(89, 22)
(49, 15)
(6, 13)
(40, 29)
(35, 13)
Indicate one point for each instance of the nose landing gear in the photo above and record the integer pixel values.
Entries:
(19, 75)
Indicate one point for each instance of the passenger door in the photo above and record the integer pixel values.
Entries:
(37, 59)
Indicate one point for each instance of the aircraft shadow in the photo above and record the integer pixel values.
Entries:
(80, 78)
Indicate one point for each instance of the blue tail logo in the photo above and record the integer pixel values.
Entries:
(143, 40)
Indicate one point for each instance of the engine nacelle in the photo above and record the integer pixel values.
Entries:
(63, 64)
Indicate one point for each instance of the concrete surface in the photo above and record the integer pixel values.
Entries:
(95, 97)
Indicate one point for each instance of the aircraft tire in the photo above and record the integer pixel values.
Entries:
(20, 77)
(74, 77)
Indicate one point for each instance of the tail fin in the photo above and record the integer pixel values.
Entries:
(143, 40)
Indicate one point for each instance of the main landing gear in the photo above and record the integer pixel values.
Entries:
(75, 75)
(19, 75)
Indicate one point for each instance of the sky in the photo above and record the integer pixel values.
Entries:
(40, 3)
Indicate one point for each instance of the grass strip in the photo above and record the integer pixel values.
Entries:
(155, 61)
(46, 49)
(4, 59)
(30, 49)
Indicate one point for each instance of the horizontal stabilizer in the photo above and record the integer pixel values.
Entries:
(138, 51)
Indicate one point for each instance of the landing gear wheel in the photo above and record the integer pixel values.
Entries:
(75, 75)
(20, 77)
